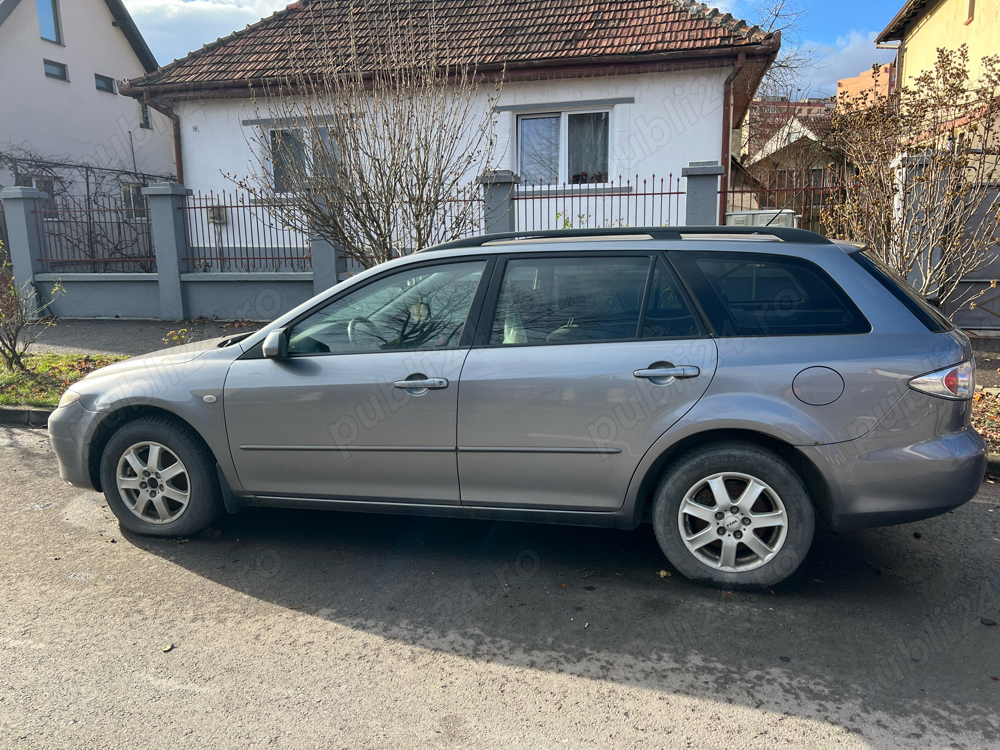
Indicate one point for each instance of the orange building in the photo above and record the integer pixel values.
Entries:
(857, 86)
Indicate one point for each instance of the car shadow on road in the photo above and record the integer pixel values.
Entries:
(874, 621)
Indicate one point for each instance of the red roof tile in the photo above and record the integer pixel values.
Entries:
(518, 33)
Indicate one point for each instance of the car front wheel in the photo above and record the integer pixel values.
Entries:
(159, 478)
(733, 515)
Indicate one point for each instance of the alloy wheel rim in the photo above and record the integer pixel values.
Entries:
(153, 482)
(732, 522)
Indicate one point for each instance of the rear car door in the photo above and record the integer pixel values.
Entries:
(582, 361)
(338, 417)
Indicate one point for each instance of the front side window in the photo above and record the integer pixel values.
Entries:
(569, 300)
(750, 294)
(48, 20)
(571, 147)
(418, 308)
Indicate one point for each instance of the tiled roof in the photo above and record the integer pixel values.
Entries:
(516, 33)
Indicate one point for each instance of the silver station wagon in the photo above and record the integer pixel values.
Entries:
(733, 386)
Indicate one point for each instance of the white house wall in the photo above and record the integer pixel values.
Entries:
(675, 119)
(72, 120)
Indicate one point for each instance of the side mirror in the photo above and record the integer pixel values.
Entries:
(275, 344)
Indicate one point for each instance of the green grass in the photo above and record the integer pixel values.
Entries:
(47, 377)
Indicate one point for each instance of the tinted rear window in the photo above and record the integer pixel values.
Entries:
(926, 313)
(750, 294)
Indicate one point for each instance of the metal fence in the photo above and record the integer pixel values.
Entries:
(805, 191)
(625, 203)
(94, 234)
(230, 231)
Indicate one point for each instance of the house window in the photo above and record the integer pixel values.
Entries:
(55, 70)
(133, 201)
(571, 147)
(287, 160)
(104, 83)
(48, 186)
(324, 154)
(144, 116)
(48, 20)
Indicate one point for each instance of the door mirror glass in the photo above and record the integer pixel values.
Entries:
(275, 345)
(415, 308)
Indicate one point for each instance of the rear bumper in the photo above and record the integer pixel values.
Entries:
(881, 485)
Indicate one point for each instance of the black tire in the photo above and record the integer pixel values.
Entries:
(695, 467)
(204, 502)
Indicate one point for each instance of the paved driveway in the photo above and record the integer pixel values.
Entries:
(299, 629)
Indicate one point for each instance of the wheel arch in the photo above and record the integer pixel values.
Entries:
(118, 418)
(816, 484)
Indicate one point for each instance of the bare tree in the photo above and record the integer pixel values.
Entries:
(376, 142)
(22, 317)
(921, 190)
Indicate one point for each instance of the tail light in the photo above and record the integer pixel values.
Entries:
(957, 381)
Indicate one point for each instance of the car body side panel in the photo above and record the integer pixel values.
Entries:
(755, 378)
(178, 387)
(563, 426)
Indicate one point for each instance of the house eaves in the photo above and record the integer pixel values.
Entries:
(123, 20)
(908, 16)
(520, 38)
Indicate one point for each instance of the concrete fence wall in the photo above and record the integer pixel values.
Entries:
(172, 293)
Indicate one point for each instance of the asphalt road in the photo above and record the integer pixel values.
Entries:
(301, 629)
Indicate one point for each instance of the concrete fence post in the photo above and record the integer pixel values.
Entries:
(166, 224)
(19, 205)
(702, 202)
(499, 189)
(328, 264)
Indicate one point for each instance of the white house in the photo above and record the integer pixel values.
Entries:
(60, 64)
(593, 89)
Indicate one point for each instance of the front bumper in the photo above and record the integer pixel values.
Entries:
(883, 485)
(70, 431)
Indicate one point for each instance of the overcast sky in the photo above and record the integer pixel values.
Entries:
(842, 32)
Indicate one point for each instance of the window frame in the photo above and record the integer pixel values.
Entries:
(99, 79)
(701, 284)
(484, 327)
(468, 330)
(145, 121)
(56, 23)
(563, 158)
(65, 70)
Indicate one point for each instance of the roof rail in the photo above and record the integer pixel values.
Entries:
(785, 234)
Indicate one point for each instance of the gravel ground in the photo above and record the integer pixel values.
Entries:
(303, 629)
(988, 369)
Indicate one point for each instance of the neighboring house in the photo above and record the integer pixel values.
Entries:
(922, 26)
(62, 119)
(622, 87)
(768, 115)
(866, 81)
(796, 145)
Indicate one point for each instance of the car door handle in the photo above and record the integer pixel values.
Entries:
(681, 371)
(429, 383)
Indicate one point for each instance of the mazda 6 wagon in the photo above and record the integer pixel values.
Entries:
(734, 387)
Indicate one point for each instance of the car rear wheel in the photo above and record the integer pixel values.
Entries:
(159, 478)
(733, 515)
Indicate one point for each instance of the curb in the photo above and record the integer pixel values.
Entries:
(38, 417)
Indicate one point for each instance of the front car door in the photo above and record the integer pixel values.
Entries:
(584, 362)
(364, 406)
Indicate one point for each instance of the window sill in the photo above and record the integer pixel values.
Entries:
(57, 78)
(573, 191)
(52, 41)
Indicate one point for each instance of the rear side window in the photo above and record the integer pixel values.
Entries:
(750, 294)
(926, 313)
(568, 300)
